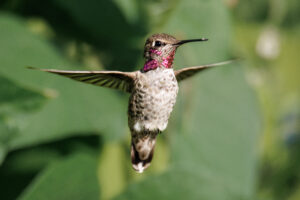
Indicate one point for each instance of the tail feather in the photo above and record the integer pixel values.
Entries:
(138, 164)
(142, 151)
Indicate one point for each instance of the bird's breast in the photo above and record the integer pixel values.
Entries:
(152, 100)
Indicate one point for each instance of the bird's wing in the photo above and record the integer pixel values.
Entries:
(187, 72)
(111, 79)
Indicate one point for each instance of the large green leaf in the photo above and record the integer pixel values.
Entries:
(16, 103)
(73, 178)
(22, 166)
(214, 129)
(71, 108)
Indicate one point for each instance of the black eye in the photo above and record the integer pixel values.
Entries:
(158, 43)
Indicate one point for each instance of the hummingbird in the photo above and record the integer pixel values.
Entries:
(153, 91)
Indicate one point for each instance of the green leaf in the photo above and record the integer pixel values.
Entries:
(118, 39)
(23, 99)
(72, 107)
(22, 166)
(177, 184)
(15, 104)
(74, 178)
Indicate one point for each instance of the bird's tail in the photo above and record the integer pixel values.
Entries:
(142, 150)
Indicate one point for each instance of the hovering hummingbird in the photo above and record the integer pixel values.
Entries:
(153, 92)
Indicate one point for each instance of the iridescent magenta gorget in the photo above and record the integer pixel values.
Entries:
(153, 64)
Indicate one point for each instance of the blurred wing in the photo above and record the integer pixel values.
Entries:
(187, 72)
(110, 79)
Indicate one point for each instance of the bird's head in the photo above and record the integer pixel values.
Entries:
(160, 50)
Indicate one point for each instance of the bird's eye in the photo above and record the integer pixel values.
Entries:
(158, 43)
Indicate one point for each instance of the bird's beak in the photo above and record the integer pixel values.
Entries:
(181, 42)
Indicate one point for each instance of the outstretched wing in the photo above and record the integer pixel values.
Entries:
(187, 72)
(111, 79)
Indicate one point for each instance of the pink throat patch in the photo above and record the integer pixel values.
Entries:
(155, 51)
(153, 64)
(168, 61)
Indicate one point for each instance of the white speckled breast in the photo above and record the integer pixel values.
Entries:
(152, 100)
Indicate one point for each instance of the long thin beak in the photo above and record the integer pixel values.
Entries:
(192, 40)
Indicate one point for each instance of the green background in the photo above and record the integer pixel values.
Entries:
(234, 132)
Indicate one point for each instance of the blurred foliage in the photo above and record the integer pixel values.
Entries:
(76, 176)
(60, 139)
(276, 80)
(282, 13)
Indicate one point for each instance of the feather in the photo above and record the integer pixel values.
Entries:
(110, 79)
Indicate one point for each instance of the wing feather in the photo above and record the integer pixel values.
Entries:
(187, 72)
(111, 79)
